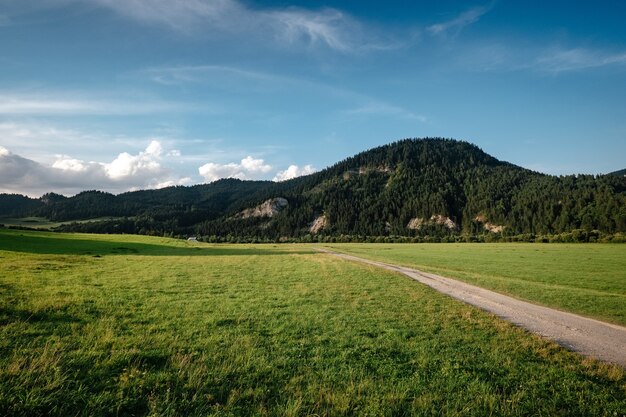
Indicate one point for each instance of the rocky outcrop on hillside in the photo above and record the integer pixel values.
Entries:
(416, 223)
(268, 208)
(444, 221)
(488, 226)
(319, 224)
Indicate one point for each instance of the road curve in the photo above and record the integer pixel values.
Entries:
(589, 337)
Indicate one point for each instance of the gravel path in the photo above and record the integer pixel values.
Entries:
(603, 341)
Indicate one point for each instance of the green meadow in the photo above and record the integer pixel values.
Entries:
(94, 325)
(588, 279)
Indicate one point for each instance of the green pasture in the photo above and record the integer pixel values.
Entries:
(588, 279)
(95, 325)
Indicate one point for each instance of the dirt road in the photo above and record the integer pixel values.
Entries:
(603, 341)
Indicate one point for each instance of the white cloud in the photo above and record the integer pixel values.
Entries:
(154, 149)
(69, 175)
(294, 171)
(171, 183)
(255, 165)
(454, 26)
(145, 164)
(67, 163)
(213, 172)
(248, 168)
(126, 172)
(139, 168)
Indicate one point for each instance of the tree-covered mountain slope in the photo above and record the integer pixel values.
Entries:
(407, 188)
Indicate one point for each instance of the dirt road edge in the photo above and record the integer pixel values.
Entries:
(589, 337)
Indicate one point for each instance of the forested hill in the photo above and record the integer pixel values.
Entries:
(620, 173)
(413, 187)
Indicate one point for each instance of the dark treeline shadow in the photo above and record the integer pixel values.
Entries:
(30, 242)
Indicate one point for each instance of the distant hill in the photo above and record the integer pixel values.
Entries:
(620, 173)
(17, 205)
(413, 187)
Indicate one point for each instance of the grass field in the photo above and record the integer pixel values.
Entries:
(129, 325)
(588, 279)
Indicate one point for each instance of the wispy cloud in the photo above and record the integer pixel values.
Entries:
(43, 141)
(36, 138)
(558, 60)
(454, 26)
(242, 79)
(66, 104)
(553, 60)
(327, 27)
(181, 15)
(175, 75)
(385, 109)
(287, 26)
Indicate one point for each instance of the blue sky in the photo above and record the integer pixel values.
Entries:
(120, 95)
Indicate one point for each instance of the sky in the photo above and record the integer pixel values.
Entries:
(120, 95)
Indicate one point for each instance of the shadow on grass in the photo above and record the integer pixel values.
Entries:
(12, 310)
(50, 318)
(53, 244)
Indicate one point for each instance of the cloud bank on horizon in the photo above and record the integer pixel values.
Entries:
(145, 170)
(118, 96)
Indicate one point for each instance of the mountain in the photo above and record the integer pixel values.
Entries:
(620, 173)
(413, 187)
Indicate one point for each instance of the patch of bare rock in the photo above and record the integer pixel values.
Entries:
(444, 221)
(366, 169)
(319, 224)
(416, 223)
(490, 227)
(268, 208)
